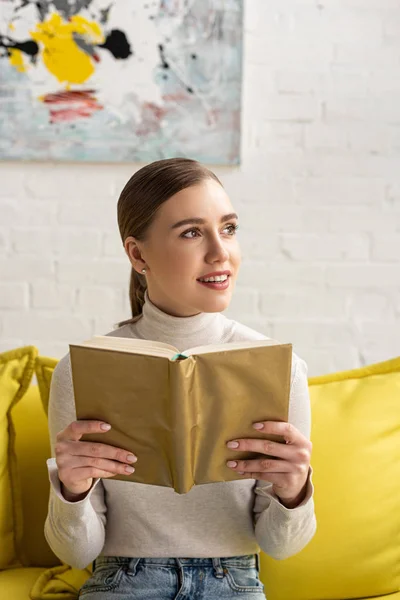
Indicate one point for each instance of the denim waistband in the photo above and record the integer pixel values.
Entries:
(244, 561)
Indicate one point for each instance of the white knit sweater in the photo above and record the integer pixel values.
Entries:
(118, 518)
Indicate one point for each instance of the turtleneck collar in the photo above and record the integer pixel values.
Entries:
(181, 332)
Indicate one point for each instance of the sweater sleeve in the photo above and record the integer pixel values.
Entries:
(282, 532)
(75, 531)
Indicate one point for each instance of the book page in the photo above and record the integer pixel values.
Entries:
(227, 346)
(132, 345)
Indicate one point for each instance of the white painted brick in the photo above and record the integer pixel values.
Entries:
(275, 136)
(287, 306)
(371, 52)
(281, 51)
(331, 359)
(53, 243)
(112, 245)
(379, 351)
(345, 110)
(322, 136)
(389, 331)
(291, 108)
(386, 248)
(371, 139)
(245, 301)
(88, 181)
(35, 326)
(371, 277)
(105, 271)
(362, 219)
(12, 181)
(263, 247)
(54, 349)
(101, 214)
(326, 247)
(27, 212)
(4, 241)
(51, 295)
(14, 296)
(282, 278)
(318, 333)
(345, 191)
(25, 269)
(369, 306)
(106, 323)
(98, 300)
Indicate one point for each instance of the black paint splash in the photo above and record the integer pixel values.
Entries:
(29, 47)
(117, 44)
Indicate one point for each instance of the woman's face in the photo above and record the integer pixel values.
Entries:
(192, 237)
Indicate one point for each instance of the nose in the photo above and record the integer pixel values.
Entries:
(216, 252)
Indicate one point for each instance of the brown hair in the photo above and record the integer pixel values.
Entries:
(139, 201)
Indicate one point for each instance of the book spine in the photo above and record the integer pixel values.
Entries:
(183, 415)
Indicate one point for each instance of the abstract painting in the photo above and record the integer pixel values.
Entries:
(120, 80)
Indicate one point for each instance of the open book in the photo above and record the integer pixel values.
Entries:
(176, 411)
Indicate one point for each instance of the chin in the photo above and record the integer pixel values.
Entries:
(216, 304)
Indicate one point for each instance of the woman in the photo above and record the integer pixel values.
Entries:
(178, 228)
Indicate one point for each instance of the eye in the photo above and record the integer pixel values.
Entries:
(190, 237)
(231, 228)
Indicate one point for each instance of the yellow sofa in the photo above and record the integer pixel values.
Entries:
(356, 460)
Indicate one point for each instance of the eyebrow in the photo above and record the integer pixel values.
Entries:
(199, 221)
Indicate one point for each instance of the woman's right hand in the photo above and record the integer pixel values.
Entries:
(80, 462)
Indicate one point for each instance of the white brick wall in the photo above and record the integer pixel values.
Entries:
(318, 192)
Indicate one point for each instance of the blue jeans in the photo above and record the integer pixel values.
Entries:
(120, 578)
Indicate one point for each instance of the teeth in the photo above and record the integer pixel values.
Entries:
(217, 278)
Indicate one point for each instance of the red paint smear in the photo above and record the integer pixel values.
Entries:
(152, 114)
(71, 105)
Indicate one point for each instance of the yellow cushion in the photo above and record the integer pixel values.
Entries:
(16, 369)
(44, 370)
(59, 583)
(356, 460)
(16, 584)
(32, 448)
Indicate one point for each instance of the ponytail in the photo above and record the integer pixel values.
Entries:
(137, 289)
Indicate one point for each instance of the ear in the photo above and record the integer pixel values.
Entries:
(134, 253)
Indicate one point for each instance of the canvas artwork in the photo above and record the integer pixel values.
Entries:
(120, 80)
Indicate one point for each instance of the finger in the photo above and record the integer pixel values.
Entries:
(263, 447)
(101, 464)
(269, 465)
(290, 434)
(82, 473)
(77, 429)
(96, 449)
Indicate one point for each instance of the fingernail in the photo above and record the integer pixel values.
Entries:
(233, 444)
(258, 425)
(232, 463)
(240, 472)
(105, 426)
(131, 458)
(129, 469)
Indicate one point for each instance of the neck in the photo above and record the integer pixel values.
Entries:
(181, 332)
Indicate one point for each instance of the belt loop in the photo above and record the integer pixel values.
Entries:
(257, 562)
(133, 563)
(218, 570)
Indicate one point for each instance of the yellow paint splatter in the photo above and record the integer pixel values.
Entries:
(11, 27)
(17, 60)
(60, 53)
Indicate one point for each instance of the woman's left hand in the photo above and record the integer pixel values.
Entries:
(288, 472)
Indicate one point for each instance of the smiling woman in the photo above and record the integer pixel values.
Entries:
(178, 228)
(177, 222)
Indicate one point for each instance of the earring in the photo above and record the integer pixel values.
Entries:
(143, 271)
